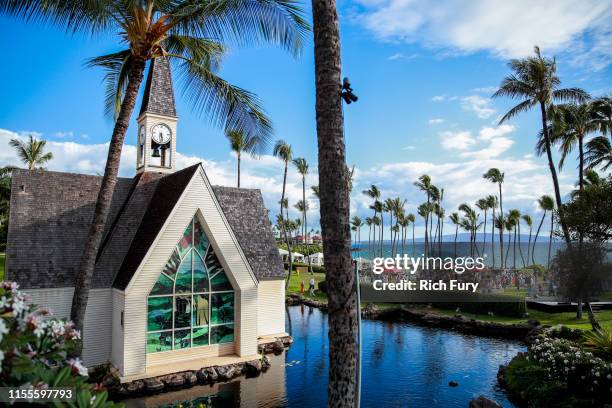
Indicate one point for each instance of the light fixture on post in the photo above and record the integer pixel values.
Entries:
(347, 92)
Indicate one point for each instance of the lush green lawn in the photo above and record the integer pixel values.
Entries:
(567, 318)
(2, 257)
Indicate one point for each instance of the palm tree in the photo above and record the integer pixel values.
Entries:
(500, 224)
(492, 204)
(424, 184)
(599, 153)
(283, 151)
(603, 108)
(496, 176)
(534, 79)
(412, 220)
(369, 222)
(483, 205)
(380, 208)
(509, 225)
(241, 143)
(515, 216)
(302, 167)
(403, 222)
(423, 211)
(546, 203)
(529, 222)
(315, 190)
(334, 185)
(454, 217)
(193, 35)
(471, 221)
(31, 153)
(375, 223)
(357, 223)
(374, 193)
(388, 206)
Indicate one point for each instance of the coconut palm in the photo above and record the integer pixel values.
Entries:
(412, 220)
(546, 204)
(424, 184)
(403, 222)
(375, 223)
(470, 219)
(599, 153)
(454, 217)
(301, 166)
(369, 222)
(529, 221)
(535, 81)
(492, 204)
(315, 190)
(483, 205)
(603, 107)
(241, 143)
(374, 193)
(32, 152)
(497, 177)
(333, 183)
(283, 151)
(193, 35)
(509, 224)
(356, 223)
(500, 224)
(515, 216)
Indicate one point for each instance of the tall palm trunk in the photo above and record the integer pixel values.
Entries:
(287, 240)
(518, 225)
(456, 233)
(306, 224)
(369, 236)
(382, 225)
(550, 238)
(501, 234)
(413, 242)
(493, 239)
(535, 239)
(484, 232)
(508, 250)
(529, 243)
(553, 171)
(581, 162)
(334, 199)
(238, 169)
(514, 251)
(83, 277)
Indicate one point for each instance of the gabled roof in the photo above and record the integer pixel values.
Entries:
(158, 94)
(51, 212)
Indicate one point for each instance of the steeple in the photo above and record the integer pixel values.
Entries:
(158, 96)
(157, 121)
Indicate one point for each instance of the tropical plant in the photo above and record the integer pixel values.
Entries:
(483, 205)
(497, 177)
(492, 204)
(454, 217)
(424, 184)
(31, 152)
(535, 81)
(315, 190)
(412, 220)
(369, 222)
(499, 223)
(191, 34)
(599, 342)
(283, 151)
(599, 153)
(529, 221)
(546, 204)
(603, 109)
(515, 215)
(241, 143)
(334, 190)
(357, 223)
(301, 166)
(374, 193)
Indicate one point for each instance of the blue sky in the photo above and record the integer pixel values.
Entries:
(424, 76)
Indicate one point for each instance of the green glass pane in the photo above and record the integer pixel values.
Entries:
(161, 341)
(200, 240)
(163, 286)
(200, 336)
(212, 262)
(159, 313)
(182, 311)
(220, 282)
(200, 310)
(182, 339)
(200, 276)
(183, 276)
(184, 245)
(222, 308)
(222, 334)
(172, 264)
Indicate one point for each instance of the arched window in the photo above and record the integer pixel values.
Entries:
(192, 302)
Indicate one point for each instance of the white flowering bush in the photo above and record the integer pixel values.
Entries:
(35, 350)
(566, 361)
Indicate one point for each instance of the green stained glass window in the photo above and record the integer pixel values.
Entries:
(159, 313)
(159, 341)
(200, 336)
(222, 307)
(222, 334)
(192, 302)
(183, 276)
(200, 275)
(172, 264)
(163, 286)
(200, 241)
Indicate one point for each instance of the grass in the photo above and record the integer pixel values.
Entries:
(2, 259)
(566, 318)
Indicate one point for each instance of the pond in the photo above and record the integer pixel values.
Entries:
(404, 365)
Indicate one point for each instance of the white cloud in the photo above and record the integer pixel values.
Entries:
(265, 174)
(435, 121)
(438, 98)
(62, 135)
(409, 147)
(486, 89)
(479, 105)
(461, 140)
(507, 29)
(402, 56)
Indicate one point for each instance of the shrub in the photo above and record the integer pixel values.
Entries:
(35, 350)
(315, 268)
(599, 342)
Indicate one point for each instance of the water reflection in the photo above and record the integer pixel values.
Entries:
(404, 366)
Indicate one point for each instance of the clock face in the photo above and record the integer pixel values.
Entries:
(141, 135)
(161, 134)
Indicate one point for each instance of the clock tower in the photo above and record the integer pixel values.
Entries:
(157, 121)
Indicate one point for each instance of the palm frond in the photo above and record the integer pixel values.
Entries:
(520, 108)
(117, 66)
(575, 95)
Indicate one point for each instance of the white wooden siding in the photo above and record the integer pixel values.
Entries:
(271, 307)
(117, 339)
(97, 330)
(197, 198)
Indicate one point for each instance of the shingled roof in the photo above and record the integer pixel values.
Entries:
(158, 94)
(50, 214)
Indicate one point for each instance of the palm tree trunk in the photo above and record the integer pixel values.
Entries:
(342, 315)
(501, 235)
(238, 169)
(535, 239)
(493, 239)
(287, 240)
(413, 242)
(514, 251)
(382, 226)
(456, 233)
(306, 224)
(484, 231)
(581, 162)
(507, 250)
(529, 243)
(553, 171)
(518, 225)
(552, 213)
(83, 277)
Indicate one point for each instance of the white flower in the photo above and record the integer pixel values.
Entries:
(3, 329)
(1, 359)
(78, 367)
(609, 376)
